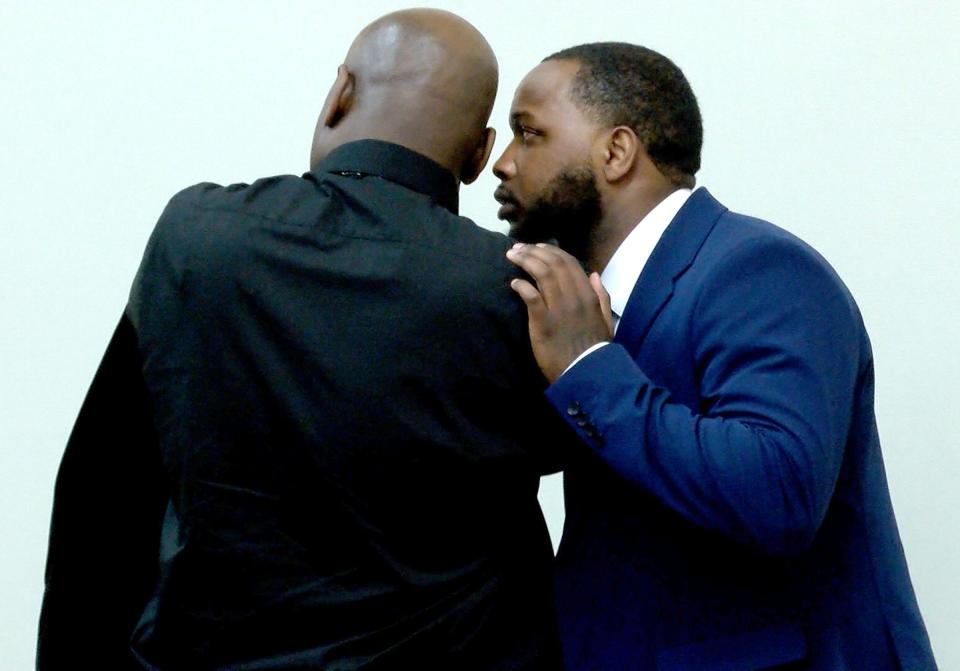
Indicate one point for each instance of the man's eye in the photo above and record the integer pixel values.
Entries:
(525, 133)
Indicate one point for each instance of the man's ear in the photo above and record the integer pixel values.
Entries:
(339, 99)
(621, 152)
(477, 161)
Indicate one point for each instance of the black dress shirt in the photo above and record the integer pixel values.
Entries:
(351, 428)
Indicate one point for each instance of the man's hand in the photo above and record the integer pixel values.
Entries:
(569, 312)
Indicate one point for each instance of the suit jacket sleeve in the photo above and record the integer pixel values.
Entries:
(105, 529)
(777, 343)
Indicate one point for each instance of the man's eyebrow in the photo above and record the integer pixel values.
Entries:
(517, 117)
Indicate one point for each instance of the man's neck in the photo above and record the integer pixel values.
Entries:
(619, 219)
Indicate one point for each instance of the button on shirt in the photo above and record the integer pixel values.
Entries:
(628, 261)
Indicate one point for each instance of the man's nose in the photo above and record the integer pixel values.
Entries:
(504, 167)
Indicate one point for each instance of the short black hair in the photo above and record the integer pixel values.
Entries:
(625, 84)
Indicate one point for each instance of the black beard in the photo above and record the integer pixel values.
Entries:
(567, 211)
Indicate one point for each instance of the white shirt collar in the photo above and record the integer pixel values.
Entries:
(627, 262)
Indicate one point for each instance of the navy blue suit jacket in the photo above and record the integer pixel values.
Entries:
(732, 509)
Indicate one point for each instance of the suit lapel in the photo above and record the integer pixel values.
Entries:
(673, 254)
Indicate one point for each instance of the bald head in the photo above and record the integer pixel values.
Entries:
(422, 78)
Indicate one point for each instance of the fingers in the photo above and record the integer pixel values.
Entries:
(604, 299)
(527, 291)
(530, 296)
(537, 266)
(556, 272)
(568, 311)
(550, 256)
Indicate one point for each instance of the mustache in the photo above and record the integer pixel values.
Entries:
(503, 196)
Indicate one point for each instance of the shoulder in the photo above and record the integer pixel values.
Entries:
(463, 238)
(466, 260)
(479, 255)
(433, 236)
(752, 266)
(207, 213)
(739, 241)
(261, 196)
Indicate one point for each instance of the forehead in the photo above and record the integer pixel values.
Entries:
(545, 91)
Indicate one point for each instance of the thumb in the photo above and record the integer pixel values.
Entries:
(604, 298)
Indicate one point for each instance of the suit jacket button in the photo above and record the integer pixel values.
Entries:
(573, 409)
(582, 422)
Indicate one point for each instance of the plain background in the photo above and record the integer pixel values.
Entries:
(836, 120)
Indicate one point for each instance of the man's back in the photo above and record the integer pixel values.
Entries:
(338, 373)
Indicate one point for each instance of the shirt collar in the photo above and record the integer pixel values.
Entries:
(396, 164)
(628, 261)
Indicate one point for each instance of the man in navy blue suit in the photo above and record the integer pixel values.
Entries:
(729, 508)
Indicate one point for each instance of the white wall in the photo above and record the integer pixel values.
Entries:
(834, 119)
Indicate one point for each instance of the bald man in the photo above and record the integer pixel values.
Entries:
(313, 411)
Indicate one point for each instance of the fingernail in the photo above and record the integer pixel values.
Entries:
(517, 245)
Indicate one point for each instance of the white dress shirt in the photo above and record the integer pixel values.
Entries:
(628, 261)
